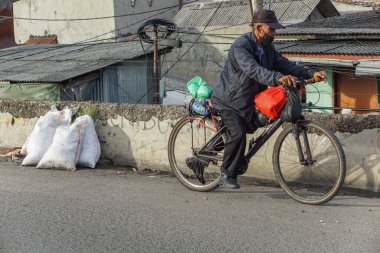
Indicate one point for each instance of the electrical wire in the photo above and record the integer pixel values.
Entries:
(93, 18)
(196, 39)
(121, 28)
(123, 60)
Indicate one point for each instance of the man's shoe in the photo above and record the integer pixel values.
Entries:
(195, 165)
(230, 182)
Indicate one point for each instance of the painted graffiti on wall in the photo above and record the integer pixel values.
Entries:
(163, 126)
(130, 138)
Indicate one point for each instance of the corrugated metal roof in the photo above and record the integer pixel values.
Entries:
(361, 23)
(366, 3)
(58, 63)
(329, 47)
(233, 13)
(366, 19)
(346, 32)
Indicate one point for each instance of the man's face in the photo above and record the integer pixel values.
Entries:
(266, 29)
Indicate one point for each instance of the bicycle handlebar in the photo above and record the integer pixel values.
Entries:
(304, 82)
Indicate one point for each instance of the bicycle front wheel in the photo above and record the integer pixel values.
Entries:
(193, 158)
(314, 171)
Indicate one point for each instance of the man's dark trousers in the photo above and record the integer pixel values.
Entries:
(234, 146)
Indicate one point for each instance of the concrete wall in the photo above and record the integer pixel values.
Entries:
(75, 31)
(137, 135)
(66, 31)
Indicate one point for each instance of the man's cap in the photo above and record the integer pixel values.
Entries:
(268, 17)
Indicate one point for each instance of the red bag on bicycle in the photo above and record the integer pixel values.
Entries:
(271, 101)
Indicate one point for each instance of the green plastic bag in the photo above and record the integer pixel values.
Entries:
(204, 92)
(193, 88)
(198, 88)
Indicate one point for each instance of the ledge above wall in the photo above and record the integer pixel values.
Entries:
(30, 109)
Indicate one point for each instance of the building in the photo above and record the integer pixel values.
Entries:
(75, 21)
(352, 6)
(348, 47)
(119, 72)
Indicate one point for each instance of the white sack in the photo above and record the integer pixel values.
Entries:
(43, 133)
(23, 151)
(64, 151)
(90, 151)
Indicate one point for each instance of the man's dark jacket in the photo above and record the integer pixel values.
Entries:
(244, 75)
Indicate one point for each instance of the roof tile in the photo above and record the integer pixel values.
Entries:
(362, 23)
(330, 47)
(233, 13)
(57, 63)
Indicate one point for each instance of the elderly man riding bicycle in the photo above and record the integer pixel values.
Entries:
(252, 65)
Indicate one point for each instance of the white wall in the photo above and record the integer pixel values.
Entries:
(67, 32)
(143, 143)
(75, 31)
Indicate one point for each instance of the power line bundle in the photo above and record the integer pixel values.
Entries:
(165, 27)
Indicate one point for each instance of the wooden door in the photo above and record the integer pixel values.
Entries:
(356, 92)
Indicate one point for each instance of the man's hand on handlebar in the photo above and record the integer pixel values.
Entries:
(320, 76)
(288, 80)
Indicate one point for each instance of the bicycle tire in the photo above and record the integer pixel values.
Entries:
(308, 185)
(180, 147)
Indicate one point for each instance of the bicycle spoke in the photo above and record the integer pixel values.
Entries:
(292, 148)
(292, 169)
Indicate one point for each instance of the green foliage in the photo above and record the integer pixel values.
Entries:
(87, 110)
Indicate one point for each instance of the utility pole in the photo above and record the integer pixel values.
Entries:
(257, 4)
(156, 96)
(254, 5)
(165, 28)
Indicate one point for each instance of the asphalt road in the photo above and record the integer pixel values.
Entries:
(116, 210)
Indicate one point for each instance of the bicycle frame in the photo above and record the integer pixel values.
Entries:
(256, 144)
(260, 141)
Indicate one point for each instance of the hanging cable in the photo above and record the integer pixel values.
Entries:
(196, 39)
(165, 27)
(93, 18)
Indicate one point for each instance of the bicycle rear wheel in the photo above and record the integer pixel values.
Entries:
(315, 180)
(187, 143)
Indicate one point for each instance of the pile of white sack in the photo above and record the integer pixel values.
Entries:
(55, 143)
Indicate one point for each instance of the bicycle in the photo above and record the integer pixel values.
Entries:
(308, 159)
